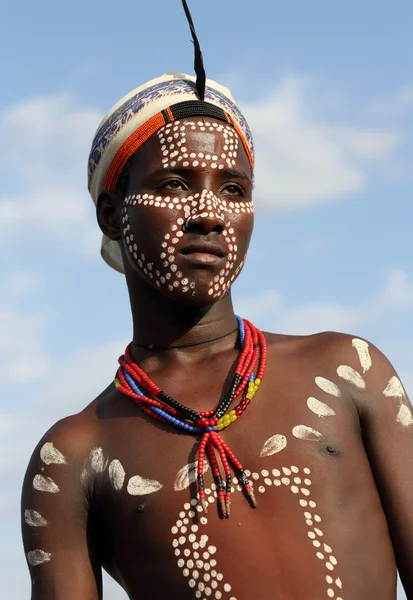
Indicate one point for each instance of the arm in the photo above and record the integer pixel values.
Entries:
(387, 422)
(57, 534)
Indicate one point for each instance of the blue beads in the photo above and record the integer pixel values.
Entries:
(242, 339)
(174, 420)
(132, 383)
(241, 329)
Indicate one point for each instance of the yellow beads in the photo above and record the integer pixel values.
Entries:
(253, 387)
(226, 420)
(117, 383)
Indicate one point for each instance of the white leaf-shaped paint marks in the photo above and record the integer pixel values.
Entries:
(274, 444)
(394, 388)
(352, 376)
(37, 557)
(97, 460)
(116, 474)
(319, 408)
(328, 386)
(34, 519)
(51, 455)
(138, 486)
(362, 348)
(187, 475)
(45, 484)
(405, 417)
(302, 432)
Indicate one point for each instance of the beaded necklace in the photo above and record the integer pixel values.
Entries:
(132, 381)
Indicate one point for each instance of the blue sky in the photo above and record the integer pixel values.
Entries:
(328, 91)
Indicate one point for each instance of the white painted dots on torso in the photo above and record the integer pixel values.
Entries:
(198, 557)
(201, 204)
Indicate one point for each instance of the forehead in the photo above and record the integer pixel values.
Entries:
(196, 142)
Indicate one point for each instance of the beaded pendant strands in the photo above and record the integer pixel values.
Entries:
(132, 381)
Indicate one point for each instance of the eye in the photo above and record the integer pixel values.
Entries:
(172, 184)
(232, 189)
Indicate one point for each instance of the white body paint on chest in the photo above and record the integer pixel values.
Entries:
(404, 416)
(116, 474)
(302, 432)
(38, 557)
(34, 519)
(352, 376)
(274, 444)
(199, 559)
(45, 484)
(319, 408)
(328, 386)
(51, 455)
(138, 486)
(97, 460)
(187, 475)
(362, 349)
(394, 388)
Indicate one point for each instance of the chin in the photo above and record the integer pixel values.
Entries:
(195, 299)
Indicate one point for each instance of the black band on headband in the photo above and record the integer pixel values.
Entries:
(195, 108)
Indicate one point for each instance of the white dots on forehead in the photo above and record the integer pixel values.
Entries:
(173, 138)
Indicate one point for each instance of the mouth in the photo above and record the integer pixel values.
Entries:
(203, 253)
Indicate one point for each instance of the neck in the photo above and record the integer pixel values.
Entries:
(160, 322)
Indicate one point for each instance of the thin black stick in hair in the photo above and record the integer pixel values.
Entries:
(199, 61)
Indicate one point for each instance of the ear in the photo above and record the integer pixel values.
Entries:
(108, 212)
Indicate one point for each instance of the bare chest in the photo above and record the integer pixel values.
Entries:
(315, 494)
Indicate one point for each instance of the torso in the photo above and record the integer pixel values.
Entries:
(319, 530)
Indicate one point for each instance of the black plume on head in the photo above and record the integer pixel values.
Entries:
(199, 61)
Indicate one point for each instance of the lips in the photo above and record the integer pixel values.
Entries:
(203, 253)
(203, 248)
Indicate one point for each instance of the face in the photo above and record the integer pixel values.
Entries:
(187, 217)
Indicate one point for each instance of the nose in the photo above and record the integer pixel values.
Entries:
(204, 224)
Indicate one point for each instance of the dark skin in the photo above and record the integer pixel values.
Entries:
(360, 468)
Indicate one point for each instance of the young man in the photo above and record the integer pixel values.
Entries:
(148, 485)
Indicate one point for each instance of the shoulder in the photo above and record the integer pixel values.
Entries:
(338, 347)
(65, 449)
(350, 360)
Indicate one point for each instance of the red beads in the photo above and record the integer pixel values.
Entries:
(132, 379)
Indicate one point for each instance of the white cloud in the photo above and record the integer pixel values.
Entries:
(22, 354)
(398, 290)
(303, 160)
(45, 145)
(270, 309)
(394, 105)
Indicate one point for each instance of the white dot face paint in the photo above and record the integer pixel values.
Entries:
(274, 444)
(34, 519)
(138, 486)
(351, 376)
(319, 408)
(362, 349)
(116, 474)
(188, 207)
(45, 484)
(38, 557)
(51, 455)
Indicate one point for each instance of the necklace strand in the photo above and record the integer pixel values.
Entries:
(132, 381)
